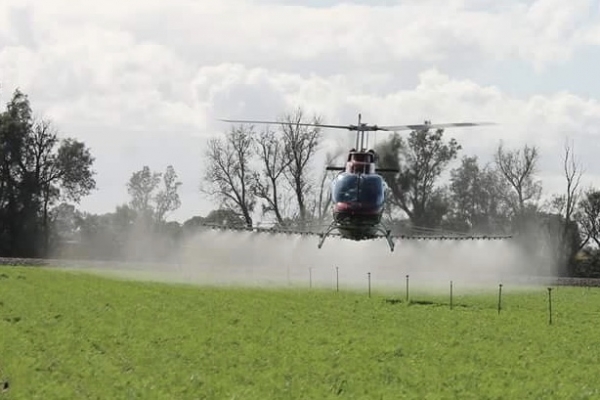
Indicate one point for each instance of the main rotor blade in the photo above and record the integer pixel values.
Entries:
(432, 126)
(367, 127)
(349, 127)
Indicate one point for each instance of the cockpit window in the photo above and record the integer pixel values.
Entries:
(368, 189)
(367, 157)
(345, 188)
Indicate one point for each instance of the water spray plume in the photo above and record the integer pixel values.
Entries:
(278, 260)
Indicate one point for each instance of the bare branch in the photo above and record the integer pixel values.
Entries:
(573, 174)
(300, 144)
(228, 172)
(519, 168)
(267, 184)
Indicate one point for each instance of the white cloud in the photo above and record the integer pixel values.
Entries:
(143, 82)
(349, 35)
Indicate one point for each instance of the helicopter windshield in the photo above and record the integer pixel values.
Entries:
(367, 189)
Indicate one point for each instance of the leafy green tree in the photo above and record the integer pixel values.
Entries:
(150, 236)
(148, 199)
(588, 215)
(37, 169)
(98, 238)
(167, 199)
(587, 264)
(193, 225)
(141, 188)
(225, 218)
(64, 224)
(18, 209)
(64, 174)
(477, 198)
(421, 160)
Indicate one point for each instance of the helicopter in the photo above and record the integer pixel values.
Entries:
(358, 192)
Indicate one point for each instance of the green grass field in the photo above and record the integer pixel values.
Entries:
(66, 335)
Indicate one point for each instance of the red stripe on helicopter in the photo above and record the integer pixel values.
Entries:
(357, 208)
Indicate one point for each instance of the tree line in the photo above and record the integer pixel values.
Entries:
(279, 175)
(272, 171)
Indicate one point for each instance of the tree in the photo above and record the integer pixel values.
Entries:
(572, 170)
(37, 169)
(65, 174)
(97, 239)
(476, 195)
(228, 174)
(588, 215)
(421, 160)
(107, 236)
(266, 184)
(72, 170)
(167, 200)
(18, 219)
(300, 144)
(193, 225)
(63, 219)
(566, 235)
(122, 221)
(587, 264)
(519, 167)
(553, 241)
(536, 230)
(224, 218)
(141, 187)
(148, 200)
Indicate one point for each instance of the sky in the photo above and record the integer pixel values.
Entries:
(145, 82)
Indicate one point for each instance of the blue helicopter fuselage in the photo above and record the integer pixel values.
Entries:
(358, 204)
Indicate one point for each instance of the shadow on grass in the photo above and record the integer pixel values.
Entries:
(424, 303)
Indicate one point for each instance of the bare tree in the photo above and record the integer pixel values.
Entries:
(565, 204)
(300, 144)
(266, 183)
(228, 173)
(565, 235)
(519, 167)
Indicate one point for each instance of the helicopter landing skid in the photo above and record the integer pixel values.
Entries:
(380, 228)
(324, 235)
(388, 236)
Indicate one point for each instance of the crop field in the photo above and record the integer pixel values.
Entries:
(69, 334)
